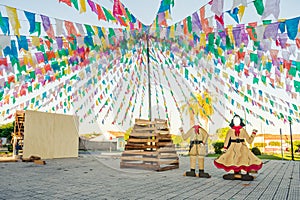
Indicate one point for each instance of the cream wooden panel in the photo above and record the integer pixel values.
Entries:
(50, 135)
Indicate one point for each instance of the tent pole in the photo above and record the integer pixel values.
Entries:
(149, 84)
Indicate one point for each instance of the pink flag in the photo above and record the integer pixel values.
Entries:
(117, 11)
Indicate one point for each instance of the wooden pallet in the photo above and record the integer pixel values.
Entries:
(18, 134)
(150, 147)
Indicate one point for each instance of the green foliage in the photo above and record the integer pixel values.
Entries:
(260, 144)
(274, 143)
(296, 143)
(10, 148)
(6, 130)
(221, 132)
(256, 151)
(218, 146)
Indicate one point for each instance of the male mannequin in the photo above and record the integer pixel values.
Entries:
(198, 137)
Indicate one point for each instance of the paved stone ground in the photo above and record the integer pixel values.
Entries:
(94, 176)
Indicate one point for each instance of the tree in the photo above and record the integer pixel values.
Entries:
(127, 133)
(199, 105)
(221, 133)
(274, 143)
(6, 130)
(177, 139)
(218, 146)
(260, 144)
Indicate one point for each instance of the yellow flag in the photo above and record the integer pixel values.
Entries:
(172, 31)
(35, 41)
(202, 39)
(95, 30)
(167, 15)
(13, 18)
(241, 12)
(82, 6)
(230, 34)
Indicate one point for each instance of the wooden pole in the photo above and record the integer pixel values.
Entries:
(281, 144)
(292, 148)
(149, 78)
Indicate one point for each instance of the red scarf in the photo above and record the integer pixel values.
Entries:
(197, 127)
(237, 130)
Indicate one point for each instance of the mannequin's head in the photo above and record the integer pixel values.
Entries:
(236, 121)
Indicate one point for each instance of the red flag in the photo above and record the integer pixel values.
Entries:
(68, 2)
(3, 61)
(70, 28)
(100, 13)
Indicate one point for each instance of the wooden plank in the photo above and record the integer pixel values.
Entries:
(142, 121)
(141, 140)
(132, 147)
(168, 156)
(165, 150)
(168, 162)
(136, 158)
(165, 144)
(139, 134)
(144, 129)
(139, 165)
(134, 152)
(162, 136)
(168, 168)
(8, 159)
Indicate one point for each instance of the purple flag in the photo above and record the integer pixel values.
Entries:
(196, 22)
(271, 31)
(92, 5)
(46, 22)
(283, 39)
(237, 36)
(59, 42)
(161, 17)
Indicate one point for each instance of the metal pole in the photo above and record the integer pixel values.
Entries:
(149, 84)
(281, 144)
(292, 148)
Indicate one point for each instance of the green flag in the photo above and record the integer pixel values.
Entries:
(89, 30)
(75, 3)
(259, 6)
(189, 23)
(108, 15)
(37, 28)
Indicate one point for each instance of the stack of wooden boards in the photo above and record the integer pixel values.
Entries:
(150, 146)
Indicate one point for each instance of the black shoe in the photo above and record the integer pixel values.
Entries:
(229, 177)
(202, 174)
(191, 173)
(247, 177)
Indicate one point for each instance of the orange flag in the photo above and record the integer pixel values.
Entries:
(185, 29)
(100, 13)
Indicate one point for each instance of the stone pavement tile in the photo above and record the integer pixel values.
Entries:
(90, 178)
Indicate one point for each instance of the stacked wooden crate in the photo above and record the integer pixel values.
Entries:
(18, 134)
(150, 146)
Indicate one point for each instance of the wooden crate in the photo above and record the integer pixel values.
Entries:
(150, 147)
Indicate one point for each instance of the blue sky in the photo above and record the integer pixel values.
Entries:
(145, 11)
